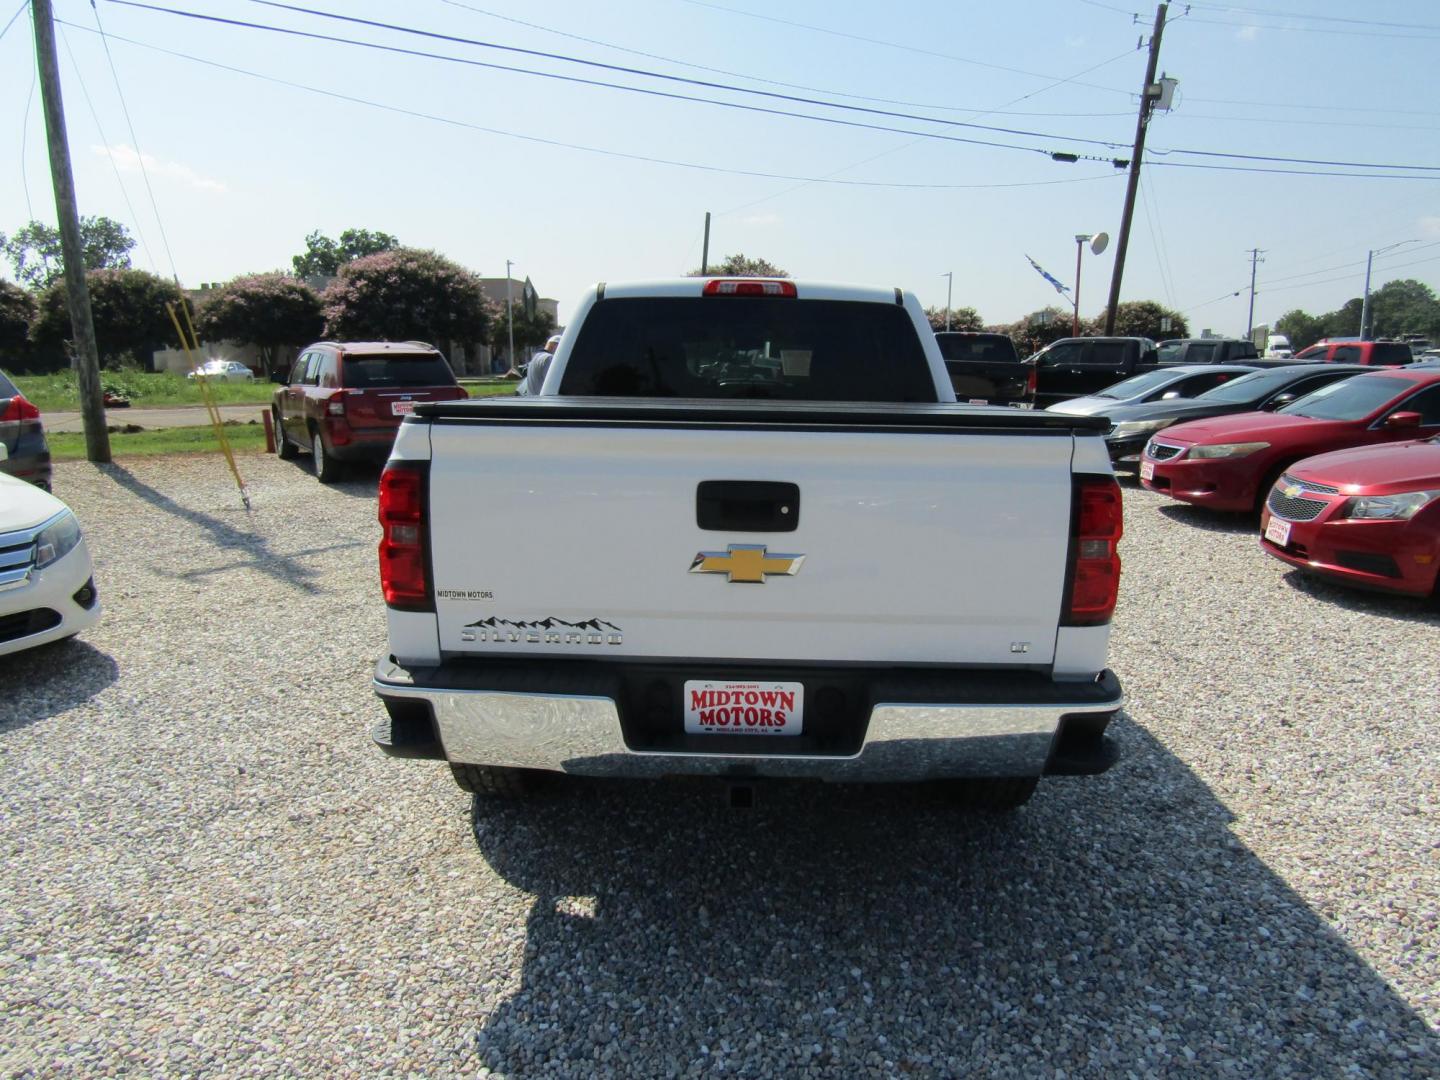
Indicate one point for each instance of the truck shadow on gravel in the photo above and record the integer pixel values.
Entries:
(1113, 924)
(55, 678)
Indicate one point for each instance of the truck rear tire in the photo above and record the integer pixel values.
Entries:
(993, 795)
(494, 782)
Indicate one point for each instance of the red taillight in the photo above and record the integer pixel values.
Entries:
(335, 403)
(1098, 522)
(20, 409)
(749, 287)
(404, 567)
(1032, 381)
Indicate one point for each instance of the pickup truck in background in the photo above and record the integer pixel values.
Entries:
(1207, 351)
(1075, 367)
(985, 369)
(761, 540)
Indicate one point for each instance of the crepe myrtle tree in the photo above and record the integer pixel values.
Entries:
(17, 311)
(961, 318)
(274, 312)
(129, 314)
(403, 295)
(740, 265)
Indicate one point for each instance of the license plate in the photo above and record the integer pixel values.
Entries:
(979, 401)
(1278, 532)
(743, 708)
(402, 408)
(1147, 470)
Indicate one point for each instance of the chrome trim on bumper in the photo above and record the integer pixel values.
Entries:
(582, 735)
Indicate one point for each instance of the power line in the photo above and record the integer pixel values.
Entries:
(1322, 108)
(135, 142)
(452, 121)
(892, 44)
(713, 85)
(23, 5)
(1289, 172)
(1314, 29)
(779, 82)
(1309, 15)
(109, 153)
(24, 140)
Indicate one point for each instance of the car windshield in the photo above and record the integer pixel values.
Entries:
(1139, 384)
(1252, 387)
(364, 371)
(1348, 399)
(748, 347)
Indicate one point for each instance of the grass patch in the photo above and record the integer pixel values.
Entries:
(59, 392)
(244, 438)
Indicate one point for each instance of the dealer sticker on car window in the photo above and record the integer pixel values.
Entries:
(743, 708)
(1278, 532)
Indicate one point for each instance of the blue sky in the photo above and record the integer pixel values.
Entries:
(243, 167)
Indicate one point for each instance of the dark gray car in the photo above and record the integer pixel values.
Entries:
(27, 455)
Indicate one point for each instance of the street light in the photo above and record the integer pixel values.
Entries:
(510, 313)
(1100, 240)
(949, 289)
(1365, 304)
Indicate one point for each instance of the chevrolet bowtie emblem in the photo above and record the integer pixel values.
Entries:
(746, 562)
(1292, 491)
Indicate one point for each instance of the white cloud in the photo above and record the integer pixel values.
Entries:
(1247, 33)
(761, 219)
(128, 160)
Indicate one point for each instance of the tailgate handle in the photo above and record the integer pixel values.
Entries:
(747, 506)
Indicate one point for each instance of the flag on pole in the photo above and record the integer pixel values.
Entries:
(1062, 289)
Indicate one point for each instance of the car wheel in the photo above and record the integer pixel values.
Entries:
(327, 469)
(285, 450)
(488, 782)
(993, 795)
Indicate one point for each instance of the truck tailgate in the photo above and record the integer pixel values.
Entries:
(582, 539)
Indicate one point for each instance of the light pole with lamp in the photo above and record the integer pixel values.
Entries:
(949, 276)
(510, 314)
(1365, 303)
(1097, 245)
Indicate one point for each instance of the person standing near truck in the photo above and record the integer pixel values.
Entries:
(539, 365)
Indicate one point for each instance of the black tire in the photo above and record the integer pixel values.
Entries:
(494, 782)
(327, 469)
(997, 795)
(285, 450)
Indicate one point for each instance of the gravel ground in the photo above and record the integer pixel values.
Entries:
(208, 871)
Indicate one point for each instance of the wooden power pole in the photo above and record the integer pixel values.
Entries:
(1147, 104)
(82, 323)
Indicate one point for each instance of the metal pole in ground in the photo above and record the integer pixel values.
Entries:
(510, 314)
(705, 249)
(949, 277)
(82, 322)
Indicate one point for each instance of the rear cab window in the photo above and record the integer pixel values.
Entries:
(783, 348)
(1106, 353)
(366, 371)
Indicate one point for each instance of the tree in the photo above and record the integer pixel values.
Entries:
(130, 317)
(739, 265)
(961, 318)
(529, 333)
(35, 256)
(1404, 306)
(270, 311)
(1302, 329)
(1038, 329)
(17, 311)
(406, 294)
(323, 257)
(1142, 318)
(1344, 322)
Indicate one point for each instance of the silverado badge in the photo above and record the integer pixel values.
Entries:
(750, 563)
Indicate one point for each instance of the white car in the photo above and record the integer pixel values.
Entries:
(46, 589)
(223, 371)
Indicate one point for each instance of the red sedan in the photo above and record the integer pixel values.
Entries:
(1230, 462)
(1368, 517)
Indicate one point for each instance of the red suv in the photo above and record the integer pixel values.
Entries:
(344, 401)
(1230, 462)
(1370, 353)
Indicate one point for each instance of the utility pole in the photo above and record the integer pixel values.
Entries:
(705, 250)
(949, 277)
(1365, 333)
(82, 322)
(510, 314)
(1255, 254)
(1147, 103)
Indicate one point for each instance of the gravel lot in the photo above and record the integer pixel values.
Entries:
(208, 871)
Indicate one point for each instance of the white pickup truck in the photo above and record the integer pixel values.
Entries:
(745, 532)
